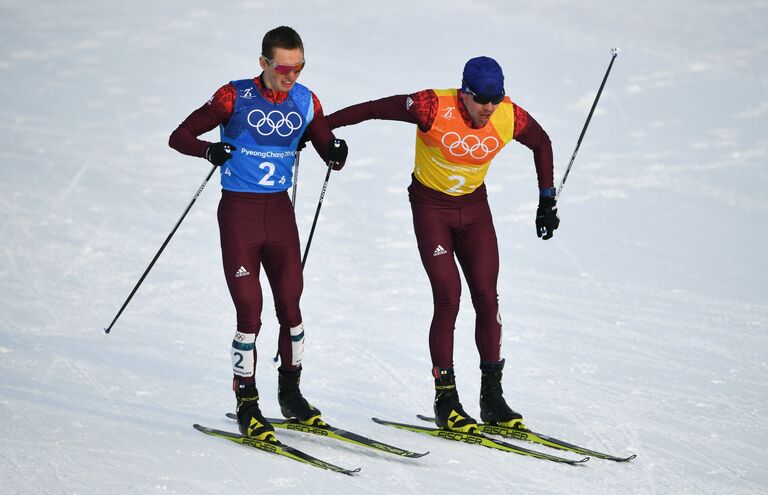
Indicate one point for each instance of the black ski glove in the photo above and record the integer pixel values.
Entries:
(303, 140)
(337, 153)
(219, 153)
(547, 220)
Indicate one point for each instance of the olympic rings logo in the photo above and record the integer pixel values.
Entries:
(469, 145)
(275, 121)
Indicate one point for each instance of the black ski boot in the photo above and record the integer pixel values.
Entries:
(449, 414)
(292, 403)
(249, 418)
(493, 408)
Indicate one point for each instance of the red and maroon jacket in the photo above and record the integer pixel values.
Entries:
(420, 108)
(219, 108)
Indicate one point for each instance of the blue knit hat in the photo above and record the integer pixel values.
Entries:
(482, 75)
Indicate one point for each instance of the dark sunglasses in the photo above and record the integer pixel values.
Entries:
(485, 99)
(285, 69)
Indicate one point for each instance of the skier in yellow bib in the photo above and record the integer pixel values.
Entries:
(459, 133)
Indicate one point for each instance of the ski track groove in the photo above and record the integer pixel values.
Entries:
(387, 369)
(704, 462)
(582, 269)
(57, 477)
(70, 187)
(16, 470)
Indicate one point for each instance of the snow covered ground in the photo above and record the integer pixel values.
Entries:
(640, 328)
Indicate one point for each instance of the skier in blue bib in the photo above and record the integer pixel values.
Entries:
(261, 121)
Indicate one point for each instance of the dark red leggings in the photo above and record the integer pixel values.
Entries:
(260, 230)
(464, 229)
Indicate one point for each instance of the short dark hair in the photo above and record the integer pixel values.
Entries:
(280, 37)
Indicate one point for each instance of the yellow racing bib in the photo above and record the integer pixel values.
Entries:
(452, 157)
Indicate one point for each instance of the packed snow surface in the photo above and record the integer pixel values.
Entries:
(640, 328)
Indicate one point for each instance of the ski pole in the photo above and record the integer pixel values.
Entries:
(295, 179)
(614, 54)
(167, 240)
(317, 214)
(311, 232)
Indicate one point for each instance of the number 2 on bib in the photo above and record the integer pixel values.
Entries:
(267, 179)
(460, 181)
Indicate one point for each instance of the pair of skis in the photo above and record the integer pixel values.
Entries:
(524, 434)
(480, 438)
(324, 430)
